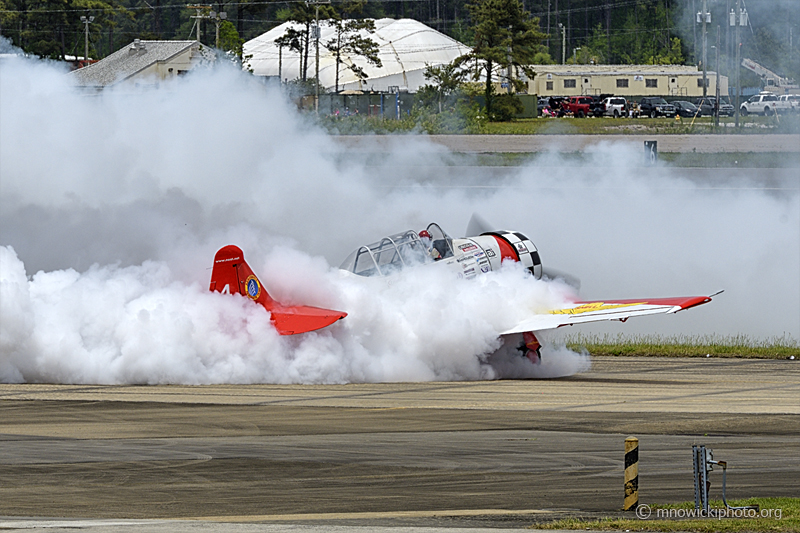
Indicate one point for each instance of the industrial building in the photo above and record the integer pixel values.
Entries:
(623, 80)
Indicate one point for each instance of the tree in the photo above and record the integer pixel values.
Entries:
(505, 36)
(305, 15)
(291, 40)
(52, 28)
(446, 80)
(229, 39)
(348, 40)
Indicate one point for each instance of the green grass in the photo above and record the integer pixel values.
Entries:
(751, 124)
(422, 121)
(789, 521)
(686, 346)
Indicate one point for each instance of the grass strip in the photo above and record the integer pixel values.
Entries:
(742, 346)
(775, 515)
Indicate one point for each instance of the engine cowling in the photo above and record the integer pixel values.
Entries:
(487, 251)
(517, 247)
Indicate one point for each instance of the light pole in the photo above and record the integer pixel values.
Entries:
(86, 21)
(217, 18)
(316, 3)
(563, 43)
(716, 89)
(738, 19)
(704, 17)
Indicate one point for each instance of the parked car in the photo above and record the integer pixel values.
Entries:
(654, 106)
(598, 107)
(615, 106)
(706, 106)
(788, 102)
(765, 103)
(686, 109)
(579, 106)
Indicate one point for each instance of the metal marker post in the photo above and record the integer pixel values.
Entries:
(631, 474)
(651, 152)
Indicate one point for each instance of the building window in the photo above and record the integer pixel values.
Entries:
(569, 84)
(700, 82)
(651, 82)
(622, 83)
(549, 85)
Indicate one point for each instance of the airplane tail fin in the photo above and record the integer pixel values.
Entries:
(232, 275)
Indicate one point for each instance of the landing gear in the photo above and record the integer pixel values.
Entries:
(532, 348)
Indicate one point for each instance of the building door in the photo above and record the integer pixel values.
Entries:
(673, 86)
(586, 85)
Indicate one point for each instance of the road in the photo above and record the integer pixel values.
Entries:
(574, 143)
(500, 453)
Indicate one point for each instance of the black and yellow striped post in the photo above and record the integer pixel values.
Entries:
(631, 474)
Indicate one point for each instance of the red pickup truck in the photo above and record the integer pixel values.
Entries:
(580, 106)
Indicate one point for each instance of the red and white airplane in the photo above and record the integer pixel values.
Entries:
(467, 257)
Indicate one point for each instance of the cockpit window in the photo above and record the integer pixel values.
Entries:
(441, 240)
(388, 254)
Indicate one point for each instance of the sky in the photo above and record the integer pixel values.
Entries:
(112, 207)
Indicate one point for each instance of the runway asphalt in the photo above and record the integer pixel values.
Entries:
(500, 454)
(716, 143)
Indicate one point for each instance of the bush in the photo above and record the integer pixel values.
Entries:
(505, 107)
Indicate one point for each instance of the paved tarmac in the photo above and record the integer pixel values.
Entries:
(717, 143)
(500, 454)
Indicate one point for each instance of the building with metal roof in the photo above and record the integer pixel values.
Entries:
(405, 46)
(144, 62)
(623, 80)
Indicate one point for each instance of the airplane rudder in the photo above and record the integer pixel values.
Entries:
(224, 277)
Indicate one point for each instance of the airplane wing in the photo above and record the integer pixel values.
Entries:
(583, 312)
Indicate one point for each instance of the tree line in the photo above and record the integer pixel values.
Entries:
(579, 31)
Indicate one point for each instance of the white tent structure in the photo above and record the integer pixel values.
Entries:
(406, 47)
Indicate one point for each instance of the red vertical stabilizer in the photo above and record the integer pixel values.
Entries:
(231, 274)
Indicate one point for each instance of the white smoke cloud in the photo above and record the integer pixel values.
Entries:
(112, 206)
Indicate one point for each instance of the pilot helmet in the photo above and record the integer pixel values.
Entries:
(424, 234)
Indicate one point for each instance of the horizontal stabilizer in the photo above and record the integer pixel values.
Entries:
(232, 275)
(290, 320)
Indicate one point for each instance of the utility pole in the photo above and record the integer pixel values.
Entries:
(563, 43)
(737, 20)
(316, 3)
(716, 105)
(705, 17)
(86, 21)
(548, 26)
(508, 58)
(217, 18)
(199, 16)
